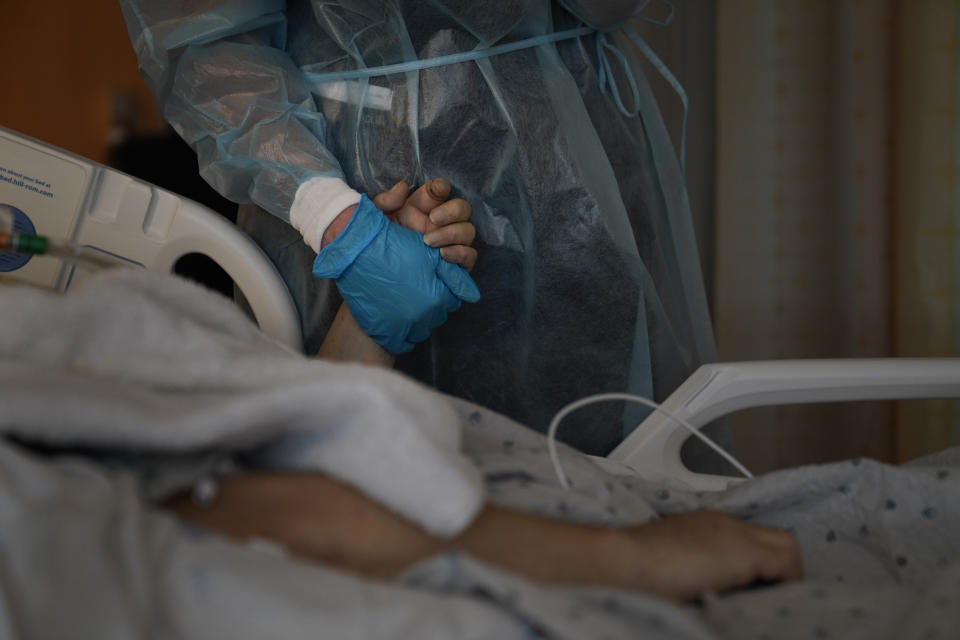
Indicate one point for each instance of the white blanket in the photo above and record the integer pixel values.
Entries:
(162, 366)
(157, 364)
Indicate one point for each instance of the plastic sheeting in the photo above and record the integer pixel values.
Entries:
(588, 265)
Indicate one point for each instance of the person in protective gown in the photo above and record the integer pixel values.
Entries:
(588, 267)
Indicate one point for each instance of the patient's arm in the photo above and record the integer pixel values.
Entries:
(346, 342)
(319, 519)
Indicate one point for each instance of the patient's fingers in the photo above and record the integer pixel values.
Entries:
(451, 212)
(684, 556)
(414, 219)
(444, 224)
(414, 214)
(765, 554)
(454, 235)
(783, 560)
(466, 257)
(451, 234)
(430, 194)
(456, 210)
(392, 199)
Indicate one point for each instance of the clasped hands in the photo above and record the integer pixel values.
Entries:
(402, 271)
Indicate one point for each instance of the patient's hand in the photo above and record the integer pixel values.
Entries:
(443, 223)
(682, 557)
(679, 557)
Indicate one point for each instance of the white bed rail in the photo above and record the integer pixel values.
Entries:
(715, 390)
(72, 199)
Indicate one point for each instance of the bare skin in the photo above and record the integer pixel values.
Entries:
(321, 520)
(443, 223)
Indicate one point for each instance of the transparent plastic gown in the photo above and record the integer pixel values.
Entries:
(588, 265)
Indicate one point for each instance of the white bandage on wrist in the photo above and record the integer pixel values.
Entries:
(317, 202)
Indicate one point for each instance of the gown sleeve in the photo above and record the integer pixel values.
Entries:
(221, 75)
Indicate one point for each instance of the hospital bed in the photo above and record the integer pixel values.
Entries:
(71, 199)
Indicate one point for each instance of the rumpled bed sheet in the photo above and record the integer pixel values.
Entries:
(84, 554)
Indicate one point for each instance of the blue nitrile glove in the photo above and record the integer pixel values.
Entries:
(397, 288)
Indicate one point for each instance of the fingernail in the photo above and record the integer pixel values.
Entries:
(439, 216)
(438, 189)
(431, 239)
(402, 182)
(443, 253)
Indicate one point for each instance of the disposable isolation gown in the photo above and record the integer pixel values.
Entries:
(588, 265)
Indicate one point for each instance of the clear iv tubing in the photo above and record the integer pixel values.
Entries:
(12, 241)
(604, 397)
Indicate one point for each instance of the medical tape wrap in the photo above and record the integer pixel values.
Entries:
(605, 81)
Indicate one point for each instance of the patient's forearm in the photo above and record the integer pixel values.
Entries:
(322, 520)
(346, 342)
(544, 549)
(313, 517)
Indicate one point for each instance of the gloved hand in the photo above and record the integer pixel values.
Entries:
(397, 288)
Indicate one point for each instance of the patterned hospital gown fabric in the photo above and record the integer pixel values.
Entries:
(881, 546)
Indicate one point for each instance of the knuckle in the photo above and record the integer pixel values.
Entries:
(466, 260)
(791, 545)
(452, 254)
(461, 208)
(413, 221)
(439, 189)
(464, 256)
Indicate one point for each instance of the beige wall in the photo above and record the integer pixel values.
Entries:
(63, 61)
